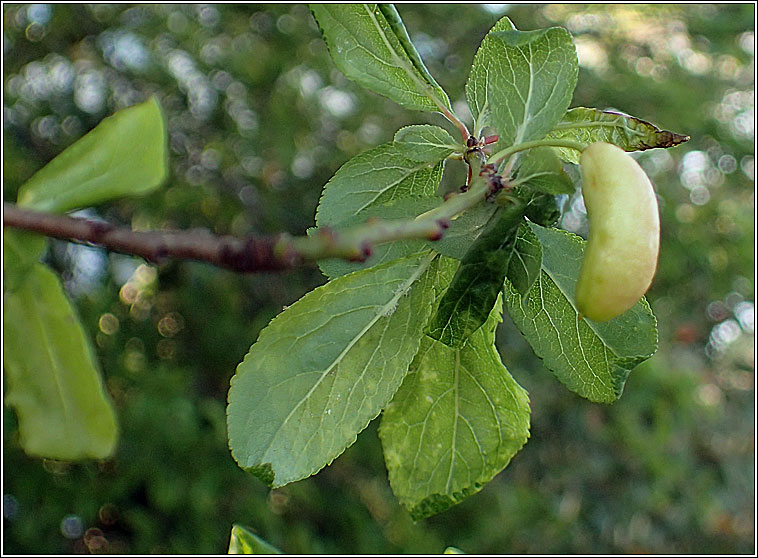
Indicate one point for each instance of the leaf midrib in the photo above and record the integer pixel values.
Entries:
(423, 265)
(597, 124)
(55, 369)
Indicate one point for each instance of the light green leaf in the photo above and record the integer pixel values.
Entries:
(382, 182)
(51, 373)
(531, 79)
(375, 178)
(125, 155)
(477, 83)
(477, 284)
(369, 44)
(526, 263)
(542, 171)
(21, 251)
(456, 422)
(592, 359)
(426, 143)
(326, 366)
(589, 125)
(244, 541)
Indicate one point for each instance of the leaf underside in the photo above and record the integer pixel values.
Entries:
(592, 359)
(478, 281)
(589, 125)
(326, 366)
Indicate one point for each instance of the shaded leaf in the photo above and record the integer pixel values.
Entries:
(478, 281)
(456, 422)
(244, 541)
(592, 359)
(589, 125)
(543, 209)
(464, 230)
(542, 171)
(326, 366)
(125, 155)
(377, 53)
(526, 262)
(52, 378)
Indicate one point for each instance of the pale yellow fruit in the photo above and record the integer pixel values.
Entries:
(622, 251)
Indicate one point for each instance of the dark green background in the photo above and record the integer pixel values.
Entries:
(259, 119)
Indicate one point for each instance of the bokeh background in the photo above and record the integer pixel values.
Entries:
(259, 119)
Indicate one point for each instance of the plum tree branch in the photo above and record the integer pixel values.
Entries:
(250, 254)
(253, 253)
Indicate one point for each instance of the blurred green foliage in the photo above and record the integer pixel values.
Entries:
(259, 119)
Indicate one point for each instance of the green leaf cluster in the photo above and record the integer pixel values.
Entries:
(411, 331)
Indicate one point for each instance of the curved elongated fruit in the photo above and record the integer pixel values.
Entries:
(622, 251)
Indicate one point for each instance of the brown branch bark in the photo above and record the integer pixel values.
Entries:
(248, 255)
(254, 254)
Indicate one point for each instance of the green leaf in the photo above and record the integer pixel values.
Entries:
(478, 281)
(526, 263)
(542, 171)
(590, 125)
(425, 143)
(326, 366)
(531, 78)
(592, 359)
(51, 373)
(369, 44)
(543, 209)
(382, 182)
(244, 541)
(125, 155)
(432, 88)
(477, 83)
(456, 422)
(464, 230)
(21, 251)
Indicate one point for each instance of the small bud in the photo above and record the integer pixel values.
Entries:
(435, 236)
(488, 169)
